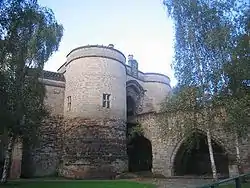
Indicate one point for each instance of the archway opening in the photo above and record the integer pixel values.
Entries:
(194, 159)
(139, 151)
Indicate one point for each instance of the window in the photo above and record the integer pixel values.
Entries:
(106, 100)
(69, 103)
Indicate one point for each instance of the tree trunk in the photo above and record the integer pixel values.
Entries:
(211, 154)
(237, 148)
(238, 157)
(7, 160)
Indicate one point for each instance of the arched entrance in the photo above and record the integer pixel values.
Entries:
(139, 154)
(139, 148)
(194, 160)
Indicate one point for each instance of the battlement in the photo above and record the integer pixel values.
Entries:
(149, 77)
(110, 52)
(94, 51)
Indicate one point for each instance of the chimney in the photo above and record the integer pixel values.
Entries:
(111, 45)
(130, 57)
(134, 66)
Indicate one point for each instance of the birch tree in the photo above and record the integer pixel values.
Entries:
(235, 97)
(204, 33)
(29, 36)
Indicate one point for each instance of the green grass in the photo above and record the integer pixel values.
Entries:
(76, 184)
(245, 185)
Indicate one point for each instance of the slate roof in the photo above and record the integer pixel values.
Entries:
(53, 76)
(49, 75)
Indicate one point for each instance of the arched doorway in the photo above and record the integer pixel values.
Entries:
(139, 148)
(139, 154)
(193, 159)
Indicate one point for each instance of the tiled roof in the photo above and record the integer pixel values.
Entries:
(49, 75)
(53, 76)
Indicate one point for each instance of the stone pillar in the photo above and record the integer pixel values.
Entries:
(161, 159)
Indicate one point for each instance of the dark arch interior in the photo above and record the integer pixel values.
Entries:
(194, 159)
(130, 106)
(139, 148)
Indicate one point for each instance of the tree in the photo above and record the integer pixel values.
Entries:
(29, 36)
(189, 113)
(235, 97)
(205, 33)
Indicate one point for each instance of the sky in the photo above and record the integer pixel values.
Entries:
(138, 27)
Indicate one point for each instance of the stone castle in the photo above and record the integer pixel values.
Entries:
(97, 84)
(98, 95)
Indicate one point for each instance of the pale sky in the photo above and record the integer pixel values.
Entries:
(138, 27)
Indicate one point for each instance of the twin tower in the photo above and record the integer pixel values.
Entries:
(97, 74)
(100, 94)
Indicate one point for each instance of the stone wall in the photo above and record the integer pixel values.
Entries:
(54, 99)
(42, 156)
(94, 148)
(155, 93)
(86, 148)
(165, 143)
(77, 148)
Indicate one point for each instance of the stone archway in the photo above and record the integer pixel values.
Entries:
(139, 148)
(135, 94)
(139, 154)
(197, 155)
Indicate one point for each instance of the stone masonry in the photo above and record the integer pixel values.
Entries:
(85, 137)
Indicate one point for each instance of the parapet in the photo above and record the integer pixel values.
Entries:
(156, 77)
(96, 51)
(149, 77)
(111, 53)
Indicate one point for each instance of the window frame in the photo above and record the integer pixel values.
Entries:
(69, 103)
(106, 101)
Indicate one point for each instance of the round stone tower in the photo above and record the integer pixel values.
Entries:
(158, 87)
(95, 74)
(95, 109)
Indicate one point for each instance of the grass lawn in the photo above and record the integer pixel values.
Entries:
(245, 185)
(76, 184)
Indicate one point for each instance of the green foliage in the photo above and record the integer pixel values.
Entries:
(183, 99)
(30, 31)
(29, 35)
(211, 65)
(4, 115)
(134, 131)
(184, 114)
(235, 98)
(205, 33)
(238, 115)
(212, 58)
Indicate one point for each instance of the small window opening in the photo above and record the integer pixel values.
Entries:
(69, 103)
(106, 100)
